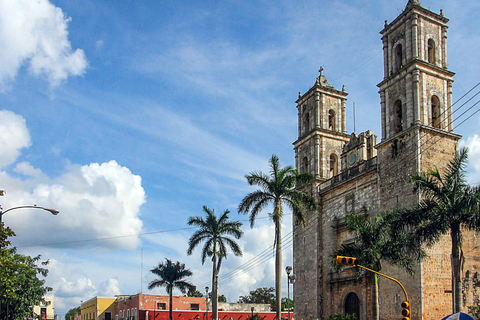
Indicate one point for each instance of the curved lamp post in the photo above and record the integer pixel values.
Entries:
(52, 211)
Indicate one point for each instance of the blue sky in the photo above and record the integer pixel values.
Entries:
(129, 116)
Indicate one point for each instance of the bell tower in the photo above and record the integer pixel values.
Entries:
(417, 86)
(417, 133)
(321, 129)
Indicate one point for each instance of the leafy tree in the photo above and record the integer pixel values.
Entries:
(264, 295)
(20, 283)
(194, 293)
(171, 275)
(278, 188)
(287, 303)
(222, 298)
(448, 206)
(70, 315)
(217, 237)
(376, 241)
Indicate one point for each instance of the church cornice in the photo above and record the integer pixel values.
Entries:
(423, 66)
(418, 127)
(411, 9)
(323, 133)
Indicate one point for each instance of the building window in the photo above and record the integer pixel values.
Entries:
(352, 304)
(305, 164)
(331, 120)
(398, 116)
(161, 305)
(333, 165)
(108, 315)
(435, 108)
(307, 123)
(431, 51)
(398, 57)
(194, 306)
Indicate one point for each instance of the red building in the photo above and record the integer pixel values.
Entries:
(153, 307)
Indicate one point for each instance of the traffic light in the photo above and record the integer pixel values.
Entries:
(346, 261)
(406, 310)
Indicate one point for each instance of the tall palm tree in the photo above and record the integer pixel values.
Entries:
(375, 241)
(215, 233)
(171, 275)
(448, 205)
(278, 188)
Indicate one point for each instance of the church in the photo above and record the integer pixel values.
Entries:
(359, 173)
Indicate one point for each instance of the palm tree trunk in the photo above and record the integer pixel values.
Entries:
(214, 288)
(456, 271)
(375, 304)
(278, 266)
(170, 313)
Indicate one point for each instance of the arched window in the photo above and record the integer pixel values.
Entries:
(305, 164)
(331, 120)
(307, 122)
(435, 108)
(352, 304)
(398, 116)
(333, 165)
(398, 57)
(431, 51)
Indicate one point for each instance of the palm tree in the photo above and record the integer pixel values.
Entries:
(448, 205)
(215, 233)
(375, 241)
(171, 275)
(278, 188)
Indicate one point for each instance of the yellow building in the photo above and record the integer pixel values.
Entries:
(98, 308)
(46, 311)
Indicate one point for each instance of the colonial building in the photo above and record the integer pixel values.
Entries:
(357, 174)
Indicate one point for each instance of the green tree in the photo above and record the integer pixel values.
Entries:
(222, 298)
(21, 283)
(448, 206)
(171, 275)
(194, 293)
(376, 241)
(70, 315)
(263, 295)
(216, 235)
(287, 303)
(278, 188)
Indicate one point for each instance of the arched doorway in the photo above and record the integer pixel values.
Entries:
(352, 305)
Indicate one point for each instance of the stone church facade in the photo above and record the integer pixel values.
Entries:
(357, 174)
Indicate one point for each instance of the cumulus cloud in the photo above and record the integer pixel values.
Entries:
(473, 145)
(96, 201)
(34, 33)
(109, 288)
(14, 136)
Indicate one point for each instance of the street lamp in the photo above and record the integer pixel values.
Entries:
(290, 279)
(206, 301)
(52, 211)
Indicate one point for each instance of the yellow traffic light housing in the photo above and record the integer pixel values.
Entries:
(406, 310)
(346, 261)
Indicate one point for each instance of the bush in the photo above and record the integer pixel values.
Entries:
(339, 316)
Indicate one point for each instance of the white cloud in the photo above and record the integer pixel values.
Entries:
(95, 200)
(34, 33)
(109, 288)
(473, 145)
(14, 136)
